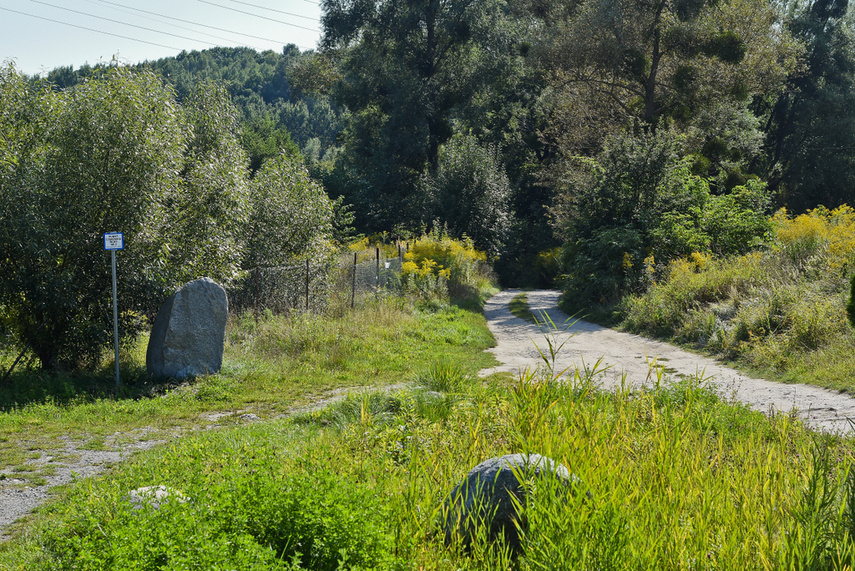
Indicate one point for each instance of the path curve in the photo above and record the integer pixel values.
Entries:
(628, 354)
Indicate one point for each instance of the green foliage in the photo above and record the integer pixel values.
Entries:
(850, 305)
(242, 511)
(638, 207)
(780, 310)
(470, 194)
(263, 140)
(291, 216)
(404, 72)
(437, 265)
(208, 214)
(105, 158)
(809, 161)
(118, 152)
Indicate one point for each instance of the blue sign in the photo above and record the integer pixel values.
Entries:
(114, 241)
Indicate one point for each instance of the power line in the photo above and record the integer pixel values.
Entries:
(90, 29)
(257, 16)
(199, 24)
(122, 23)
(275, 10)
(127, 10)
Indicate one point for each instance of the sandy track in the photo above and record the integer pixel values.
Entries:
(628, 354)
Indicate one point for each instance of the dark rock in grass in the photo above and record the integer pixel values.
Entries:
(154, 496)
(189, 332)
(493, 497)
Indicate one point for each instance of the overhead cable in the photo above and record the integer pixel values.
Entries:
(122, 23)
(275, 10)
(258, 16)
(127, 10)
(199, 24)
(90, 29)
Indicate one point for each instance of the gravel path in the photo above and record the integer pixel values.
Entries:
(628, 354)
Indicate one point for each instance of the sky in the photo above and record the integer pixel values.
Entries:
(40, 35)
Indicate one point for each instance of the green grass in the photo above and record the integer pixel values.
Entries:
(270, 366)
(764, 312)
(678, 477)
(519, 308)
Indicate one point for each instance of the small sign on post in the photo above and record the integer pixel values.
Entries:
(115, 241)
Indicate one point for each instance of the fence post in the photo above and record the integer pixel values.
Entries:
(377, 280)
(353, 287)
(257, 278)
(307, 284)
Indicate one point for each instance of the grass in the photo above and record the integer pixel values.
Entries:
(519, 308)
(678, 477)
(270, 366)
(779, 312)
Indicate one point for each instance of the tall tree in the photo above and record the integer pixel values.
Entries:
(680, 62)
(811, 126)
(116, 152)
(405, 67)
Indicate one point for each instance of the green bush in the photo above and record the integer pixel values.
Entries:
(115, 153)
(637, 207)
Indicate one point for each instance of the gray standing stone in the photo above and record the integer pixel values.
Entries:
(492, 495)
(189, 333)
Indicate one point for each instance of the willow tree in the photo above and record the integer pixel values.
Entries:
(108, 155)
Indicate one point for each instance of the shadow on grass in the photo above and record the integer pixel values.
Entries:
(32, 385)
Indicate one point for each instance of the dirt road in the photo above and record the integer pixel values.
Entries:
(629, 355)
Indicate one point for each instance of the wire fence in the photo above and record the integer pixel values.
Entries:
(312, 284)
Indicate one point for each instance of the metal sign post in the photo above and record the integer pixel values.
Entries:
(115, 241)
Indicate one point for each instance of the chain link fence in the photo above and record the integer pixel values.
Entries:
(312, 284)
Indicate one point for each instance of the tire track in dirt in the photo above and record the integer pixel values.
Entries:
(629, 357)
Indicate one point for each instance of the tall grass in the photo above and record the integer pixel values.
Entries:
(780, 310)
(671, 478)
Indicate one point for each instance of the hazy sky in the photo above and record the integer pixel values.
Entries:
(40, 35)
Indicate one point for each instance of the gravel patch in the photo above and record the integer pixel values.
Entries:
(71, 461)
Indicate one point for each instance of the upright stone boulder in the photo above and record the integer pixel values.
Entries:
(189, 332)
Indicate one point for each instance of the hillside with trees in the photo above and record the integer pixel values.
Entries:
(580, 143)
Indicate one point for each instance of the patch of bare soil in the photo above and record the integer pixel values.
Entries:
(629, 358)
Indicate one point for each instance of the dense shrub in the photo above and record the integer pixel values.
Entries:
(637, 207)
(436, 263)
(117, 152)
(470, 193)
(242, 512)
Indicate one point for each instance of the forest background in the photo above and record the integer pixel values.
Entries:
(580, 143)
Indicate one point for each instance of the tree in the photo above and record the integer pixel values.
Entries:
(209, 210)
(637, 206)
(811, 125)
(291, 216)
(404, 68)
(470, 193)
(689, 64)
(114, 153)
